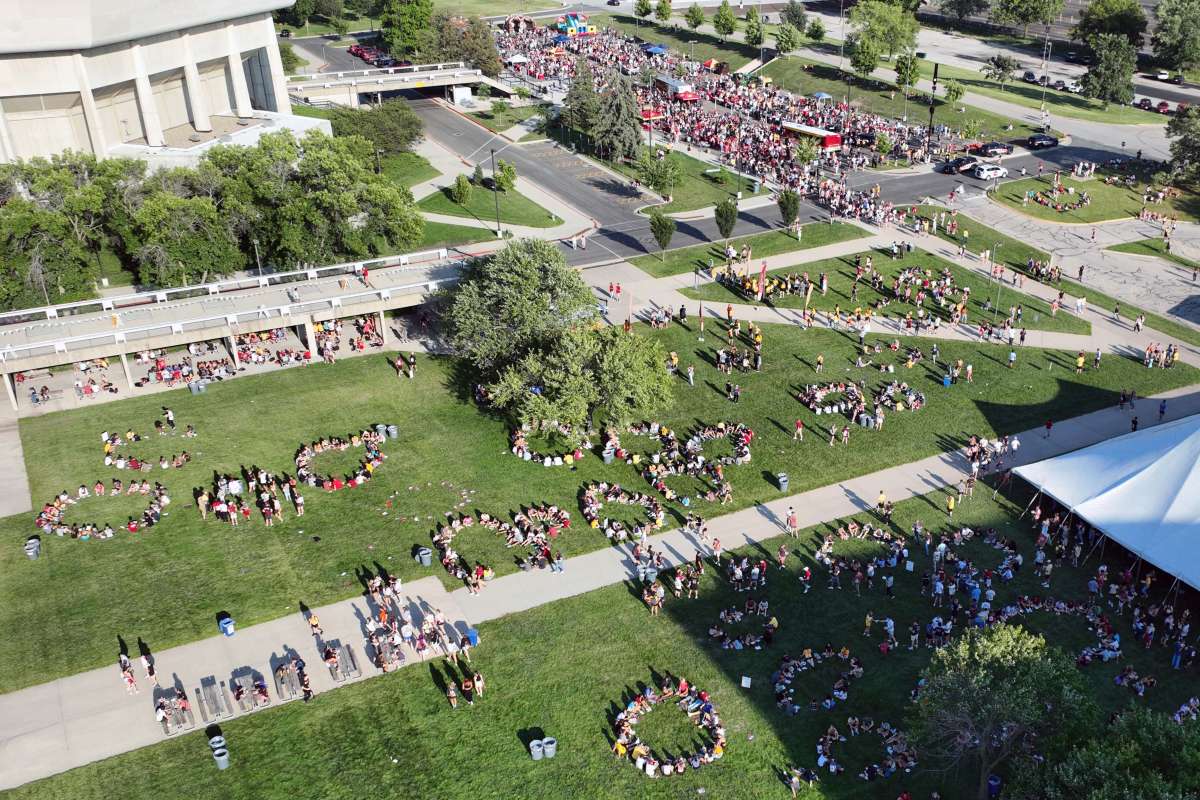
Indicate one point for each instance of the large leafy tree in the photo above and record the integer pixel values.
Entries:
(789, 207)
(885, 27)
(642, 8)
(864, 56)
(43, 262)
(618, 127)
(694, 16)
(1184, 132)
(521, 299)
(907, 71)
(405, 24)
(1177, 33)
(992, 693)
(793, 14)
(1026, 12)
(1110, 77)
(392, 127)
(1123, 17)
(660, 174)
(300, 11)
(726, 214)
(1141, 754)
(786, 38)
(754, 29)
(184, 240)
(724, 21)
(662, 10)
(961, 9)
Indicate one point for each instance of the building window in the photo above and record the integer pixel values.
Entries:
(258, 80)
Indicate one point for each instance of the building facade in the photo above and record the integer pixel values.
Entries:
(129, 77)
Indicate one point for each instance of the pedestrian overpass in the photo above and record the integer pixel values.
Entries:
(346, 87)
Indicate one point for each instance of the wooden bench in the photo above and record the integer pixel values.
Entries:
(349, 663)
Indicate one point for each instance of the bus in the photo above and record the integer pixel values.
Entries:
(827, 141)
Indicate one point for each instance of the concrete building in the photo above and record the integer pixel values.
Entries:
(140, 78)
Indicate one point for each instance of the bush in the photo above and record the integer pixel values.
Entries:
(460, 192)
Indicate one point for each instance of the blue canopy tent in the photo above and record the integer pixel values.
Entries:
(655, 50)
(822, 96)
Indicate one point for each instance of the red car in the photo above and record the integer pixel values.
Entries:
(1163, 107)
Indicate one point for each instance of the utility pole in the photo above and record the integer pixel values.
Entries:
(257, 260)
(932, 100)
(999, 278)
(1045, 58)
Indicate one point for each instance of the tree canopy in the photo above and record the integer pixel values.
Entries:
(883, 27)
(961, 9)
(1122, 17)
(724, 21)
(618, 127)
(992, 692)
(392, 127)
(1026, 12)
(1110, 77)
(405, 24)
(1177, 33)
(1184, 132)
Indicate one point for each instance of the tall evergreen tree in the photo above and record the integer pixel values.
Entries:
(618, 128)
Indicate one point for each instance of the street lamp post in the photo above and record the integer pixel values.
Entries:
(257, 259)
(496, 194)
(999, 278)
(1045, 58)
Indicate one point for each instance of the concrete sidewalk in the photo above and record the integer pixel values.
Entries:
(74, 721)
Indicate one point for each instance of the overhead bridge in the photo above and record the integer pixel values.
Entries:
(345, 87)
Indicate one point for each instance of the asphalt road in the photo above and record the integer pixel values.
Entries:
(610, 201)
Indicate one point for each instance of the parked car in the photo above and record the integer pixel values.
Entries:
(1163, 75)
(1073, 57)
(1144, 103)
(284, 33)
(1075, 87)
(960, 164)
(1163, 107)
(1060, 85)
(1178, 79)
(1040, 141)
(987, 172)
(1029, 76)
(614, 2)
(995, 149)
(355, 49)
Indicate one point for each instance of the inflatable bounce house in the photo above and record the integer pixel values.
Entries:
(575, 25)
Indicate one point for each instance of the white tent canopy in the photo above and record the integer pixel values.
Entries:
(1141, 490)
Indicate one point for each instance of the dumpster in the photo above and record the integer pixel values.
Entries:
(783, 481)
(536, 750)
(425, 556)
(227, 626)
(549, 747)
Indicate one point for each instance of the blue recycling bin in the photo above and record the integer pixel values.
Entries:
(473, 636)
(946, 381)
(227, 626)
(994, 783)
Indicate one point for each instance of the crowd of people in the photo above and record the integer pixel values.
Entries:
(657, 761)
(51, 519)
(373, 456)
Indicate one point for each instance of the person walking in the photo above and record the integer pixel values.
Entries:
(798, 432)
(1133, 425)
(1049, 425)
(1162, 409)
(792, 523)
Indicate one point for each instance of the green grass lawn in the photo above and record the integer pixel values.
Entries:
(1154, 247)
(443, 234)
(515, 208)
(1016, 255)
(1059, 104)
(1036, 313)
(690, 259)
(701, 46)
(702, 184)
(408, 169)
(1107, 202)
(319, 25)
(508, 117)
(173, 578)
(807, 77)
(563, 670)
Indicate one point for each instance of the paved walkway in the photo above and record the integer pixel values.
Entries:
(74, 721)
(14, 482)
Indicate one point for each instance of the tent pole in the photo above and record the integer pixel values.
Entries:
(1005, 480)
(1036, 495)
(1099, 543)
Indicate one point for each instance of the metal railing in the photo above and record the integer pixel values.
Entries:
(230, 322)
(385, 75)
(213, 289)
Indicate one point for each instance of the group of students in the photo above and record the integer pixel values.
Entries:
(656, 762)
(51, 519)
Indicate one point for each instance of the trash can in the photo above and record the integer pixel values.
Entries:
(536, 750)
(473, 636)
(393, 432)
(227, 626)
(651, 575)
(33, 549)
(946, 381)
(783, 481)
(217, 742)
(609, 456)
(549, 747)
(203, 386)
(994, 786)
(194, 387)
(381, 429)
(221, 756)
(425, 556)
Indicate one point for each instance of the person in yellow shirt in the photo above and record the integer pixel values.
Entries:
(950, 507)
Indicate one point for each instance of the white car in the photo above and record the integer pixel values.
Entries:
(987, 172)
(1075, 87)
(1163, 75)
